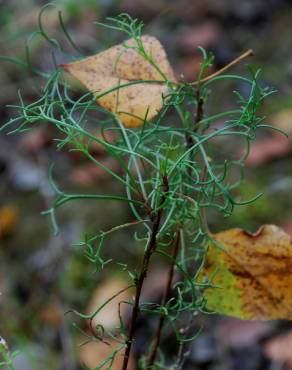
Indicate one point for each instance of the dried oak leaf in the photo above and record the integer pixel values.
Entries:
(120, 65)
(251, 274)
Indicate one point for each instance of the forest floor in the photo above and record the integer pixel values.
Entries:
(42, 276)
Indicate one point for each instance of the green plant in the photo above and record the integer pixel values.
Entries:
(172, 177)
(6, 358)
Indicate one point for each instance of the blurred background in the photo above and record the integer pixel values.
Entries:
(43, 276)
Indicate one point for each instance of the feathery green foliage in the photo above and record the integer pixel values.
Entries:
(171, 176)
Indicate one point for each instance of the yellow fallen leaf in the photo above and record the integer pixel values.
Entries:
(251, 274)
(120, 65)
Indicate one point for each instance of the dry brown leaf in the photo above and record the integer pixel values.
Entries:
(143, 9)
(35, 140)
(155, 283)
(120, 65)
(89, 174)
(276, 145)
(188, 67)
(268, 149)
(93, 353)
(279, 349)
(8, 218)
(51, 313)
(252, 274)
(108, 317)
(205, 35)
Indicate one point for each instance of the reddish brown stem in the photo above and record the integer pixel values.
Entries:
(165, 297)
(156, 219)
(248, 53)
(200, 101)
(198, 117)
(199, 113)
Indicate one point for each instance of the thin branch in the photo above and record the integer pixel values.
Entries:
(248, 53)
(203, 209)
(157, 336)
(198, 117)
(182, 354)
(156, 219)
(237, 60)
(199, 112)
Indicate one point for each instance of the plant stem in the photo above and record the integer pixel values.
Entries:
(156, 219)
(248, 53)
(198, 117)
(199, 113)
(164, 300)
